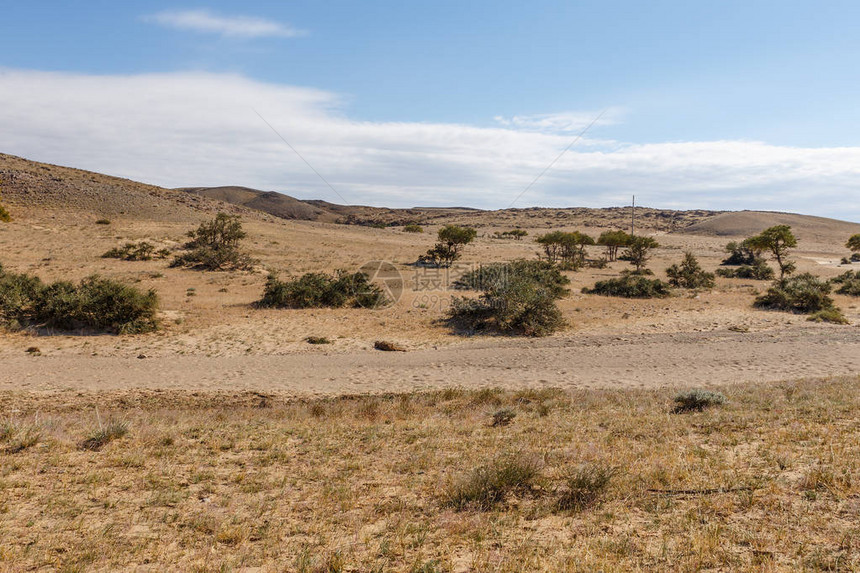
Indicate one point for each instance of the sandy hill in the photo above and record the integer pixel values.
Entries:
(270, 202)
(746, 223)
(29, 184)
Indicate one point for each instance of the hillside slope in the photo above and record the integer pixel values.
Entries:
(745, 223)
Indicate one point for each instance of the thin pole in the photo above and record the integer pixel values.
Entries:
(633, 217)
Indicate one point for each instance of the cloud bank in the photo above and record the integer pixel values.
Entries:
(228, 26)
(197, 129)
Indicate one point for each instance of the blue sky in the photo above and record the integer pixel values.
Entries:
(706, 104)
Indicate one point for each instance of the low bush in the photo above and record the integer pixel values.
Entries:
(413, 228)
(585, 485)
(319, 290)
(849, 283)
(630, 285)
(517, 298)
(804, 293)
(832, 315)
(5, 217)
(103, 222)
(317, 340)
(487, 486)
(386, 346)
(759, 270)
(142, 251)
(96, 303)
(697, 400)
(689, 274)
(503, 417)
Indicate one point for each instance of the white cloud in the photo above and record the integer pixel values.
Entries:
(190, 129)
(564, 122)
(229, 26)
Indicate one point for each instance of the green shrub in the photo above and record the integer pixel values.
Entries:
(319, 290)
(638, 251)
(689, 274)
(517, 298)
(759, 270)
(585, 485)
(804, 293)
(96, 303)
(832, 314)
(451, 240)
(103, 222)
(849, 283)
(630, 285)
(743, 253)
(142, 251)
(214, 246)
(493, 274)
(489, 485)
(413, 228)
(5, 217)
(697, 400)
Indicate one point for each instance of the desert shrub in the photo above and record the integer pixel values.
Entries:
(832, 315)
(613, 240)
(689, 274)
(742, 253)
(849, 283)
(96, 303)
(778, 241)
(517, 298)
(493, 274)
(854, 244)
(489, 485)
(103, 222)
(413, 228)
(804, 293)
(568, 249)
(320, 290)
(214, 246)
(585, 485)
(757, 271)
(387, 346)
(503, 417)
(697, 400)
(103, 435)
(5, 217)
(317, 340)
(638, 251)
(142, 251)
(516, 234)
(630, 285)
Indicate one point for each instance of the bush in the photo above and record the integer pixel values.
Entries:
(638, 251)
(697, 400)
(585, 485)
(803, 293)
(757, 271)
(96, 303)
(566, 248)
(487, 276)
(413, 228)
(832, 315)
(319, 290)
(488, 485)
(142, 251)
(214, 246)
(317, 340)
(5, 217)
(849, 283)
(743, 253)
(517, 298)
(689, 274)
(613, 240)
(503, 417)
(630, 285)
(103, 222)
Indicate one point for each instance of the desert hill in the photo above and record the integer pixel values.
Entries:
(270, 202)
(745, 223)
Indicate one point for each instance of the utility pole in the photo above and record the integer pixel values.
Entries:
(633, 217)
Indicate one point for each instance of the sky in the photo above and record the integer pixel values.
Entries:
(686, 104)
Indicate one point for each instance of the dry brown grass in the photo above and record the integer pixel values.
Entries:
(204, 482)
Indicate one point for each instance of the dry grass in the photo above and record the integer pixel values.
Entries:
(588, 480)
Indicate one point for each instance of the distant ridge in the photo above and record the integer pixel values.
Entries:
(745, 223)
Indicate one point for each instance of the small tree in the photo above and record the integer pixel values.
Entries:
(452, 239)
(552, 245)
(613, 240)
(638, 252)
(573, 248)
(743, 253)
(778, 240)
(517, 234)
(214, 245)
(854, 243)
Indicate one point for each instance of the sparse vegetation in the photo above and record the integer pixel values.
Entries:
(413, 228)
(404, 463)
(104, 434)
(515, 234)
(630, 285)
(387, 346)
(804, 293)
(568, 249)
(759, 270)
(451, 240)
(746, 253)
(690, 274)
(319, 290)
(517, 298)
(696, 400)
(317, 340)
(96, 303)
(214, 246)
(142, 251)
(832, 315)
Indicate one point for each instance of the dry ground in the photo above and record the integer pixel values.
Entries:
(251, 482)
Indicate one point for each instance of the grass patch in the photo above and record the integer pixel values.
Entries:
(488, 485)
(104, 434)
(697, 400)
(584, 486)
(317, 340)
